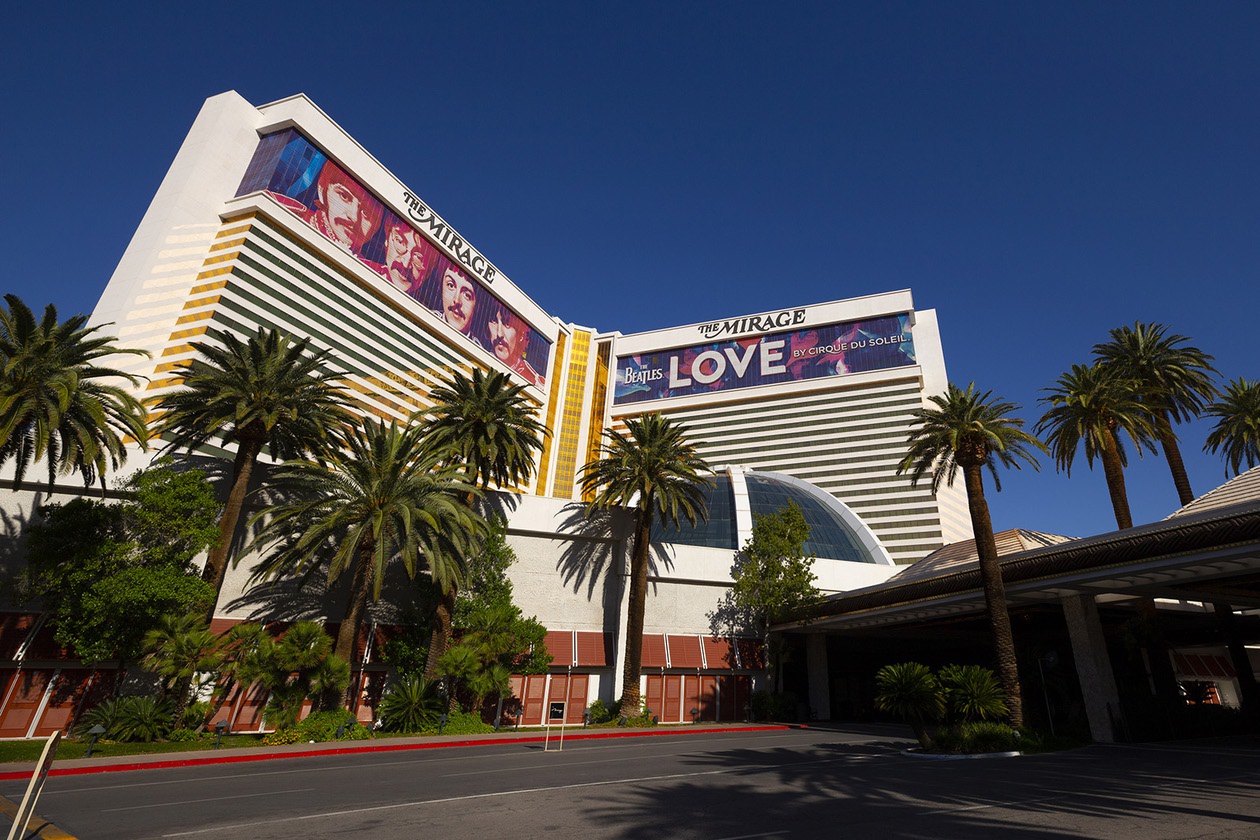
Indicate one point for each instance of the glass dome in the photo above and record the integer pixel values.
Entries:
(835, 533)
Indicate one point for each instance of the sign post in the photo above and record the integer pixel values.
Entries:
(27, 810)
(555, 714)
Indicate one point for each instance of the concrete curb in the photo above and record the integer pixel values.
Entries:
(236, 757)
(36, 825)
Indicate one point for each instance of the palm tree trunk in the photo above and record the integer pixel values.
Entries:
(994, 594)
(631, 698)
(1113, 471)
(348, 632)
(443, 632)
(1172, 452)
(216, 564)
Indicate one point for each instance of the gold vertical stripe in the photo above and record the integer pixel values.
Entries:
(571, 418)
(599, 394)
(553, 400)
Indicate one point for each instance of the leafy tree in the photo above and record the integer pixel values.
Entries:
(486, 425)
(270, 391)
(655, 472)
(772, 574)
(108, 573)
(1089, 407)
(1174, 382)
(240, 649)
(57, 402)
(973, 431)
(1236, 434)
(179, 648)
(384, 497)
(493, 631)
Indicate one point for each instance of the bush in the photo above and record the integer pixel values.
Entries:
(411, 704)
(988, 737)
(599, 712)
(459, 723)
(972, 692)
(195, 714)
(323, 726)
(282, 737)
(643, 718)
(772, 705)
(133, 718)
(182, 735)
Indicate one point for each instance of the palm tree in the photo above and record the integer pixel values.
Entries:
(269, 391)
(177, 650)
(1090, 406)
(486, 425)
(656, 472)
(1237, 431)
(382, 498)
(1174, 382)
(974, 431)
(54, 403)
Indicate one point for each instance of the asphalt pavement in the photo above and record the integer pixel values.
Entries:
(792, 783)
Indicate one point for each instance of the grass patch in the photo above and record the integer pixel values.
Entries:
(15, 751)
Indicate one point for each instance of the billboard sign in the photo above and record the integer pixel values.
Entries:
(767, 359)
(315, 189)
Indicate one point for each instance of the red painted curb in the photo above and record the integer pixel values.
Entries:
(237, 759)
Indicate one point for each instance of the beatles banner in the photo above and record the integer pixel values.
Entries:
(315, 189)
(769, 359)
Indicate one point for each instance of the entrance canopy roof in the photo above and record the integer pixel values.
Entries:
(1208, 551)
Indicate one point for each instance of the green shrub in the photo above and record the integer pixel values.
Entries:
(643, 718)
(411, 704)
(196, 714)
(103, 714)
(988, 737)
(323, 726)
(142, 718)
(599, 712)
(182, 735)
(281, 737)
(459, 723)
(972, 692)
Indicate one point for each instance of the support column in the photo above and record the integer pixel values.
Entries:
(818, 674)
(1248, 691)
(1093, 666)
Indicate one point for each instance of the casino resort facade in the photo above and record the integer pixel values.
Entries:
(273, 215)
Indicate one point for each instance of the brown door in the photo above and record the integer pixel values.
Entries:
(655, 695)
(577, 698)
(24, 698)
(535, 693)
(558, 693)
(708, 698)
(691, 697)
(673, 698)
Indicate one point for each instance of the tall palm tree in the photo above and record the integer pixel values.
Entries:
(653, 470)
(269, 391)
(382, 498)
(1174, 382)
(1089, 406)
(974, 431)
(486, 426)
(54, 402)
(1237, 431)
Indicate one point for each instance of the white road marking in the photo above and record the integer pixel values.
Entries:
(211, 799)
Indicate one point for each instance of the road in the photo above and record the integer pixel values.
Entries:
(790, 784)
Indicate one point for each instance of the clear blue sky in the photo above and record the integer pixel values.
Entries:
(1037, 174)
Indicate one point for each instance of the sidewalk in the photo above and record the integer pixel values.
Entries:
(122, 763)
